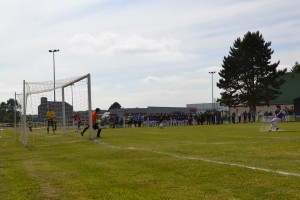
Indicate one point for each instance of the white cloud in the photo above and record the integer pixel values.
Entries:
(152, 79)
(109, 44)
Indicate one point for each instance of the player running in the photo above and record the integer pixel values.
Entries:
(95, 123)
(279, 116)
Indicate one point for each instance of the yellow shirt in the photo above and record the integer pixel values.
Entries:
(50, 115)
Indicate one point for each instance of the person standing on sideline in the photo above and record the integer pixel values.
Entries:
(249, 116)
(50, 115)
(279, 116)
(95, 123)
(233, 117)
(208, 117)
(260, 116)
(245, 116)
(239, 116)
(253, 115)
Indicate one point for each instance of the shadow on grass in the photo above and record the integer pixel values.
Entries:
(285, 131)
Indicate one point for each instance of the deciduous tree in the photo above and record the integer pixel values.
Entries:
(115, 105)
(7, 111)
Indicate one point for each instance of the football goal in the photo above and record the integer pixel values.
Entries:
(66, 98)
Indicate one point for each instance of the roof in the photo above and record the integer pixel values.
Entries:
(150, 110)
(208, 106)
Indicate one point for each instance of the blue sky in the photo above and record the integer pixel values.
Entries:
(139, 53)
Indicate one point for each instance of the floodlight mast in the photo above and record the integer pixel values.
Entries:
(212, 89)
(53, 51)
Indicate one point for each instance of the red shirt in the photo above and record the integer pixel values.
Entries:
(76, 117)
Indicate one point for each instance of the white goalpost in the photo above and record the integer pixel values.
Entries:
(69, 97)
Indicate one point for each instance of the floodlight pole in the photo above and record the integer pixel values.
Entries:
(212, 89)
(15, 116)
(53, 51)
(72, 95)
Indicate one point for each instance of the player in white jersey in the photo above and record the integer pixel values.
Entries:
(279, 116)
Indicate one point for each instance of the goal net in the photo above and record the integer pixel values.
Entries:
(70, 100)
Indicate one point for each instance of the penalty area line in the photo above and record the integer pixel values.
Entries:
(203, 160)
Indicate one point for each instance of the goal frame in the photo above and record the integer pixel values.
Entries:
(25, 95)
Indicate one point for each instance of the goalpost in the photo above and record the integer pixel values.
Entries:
(70, 96)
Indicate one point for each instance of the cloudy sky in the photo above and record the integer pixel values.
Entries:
(139, 52)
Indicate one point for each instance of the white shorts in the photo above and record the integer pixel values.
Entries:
(275, 120)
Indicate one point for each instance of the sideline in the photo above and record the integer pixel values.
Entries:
(201, 159)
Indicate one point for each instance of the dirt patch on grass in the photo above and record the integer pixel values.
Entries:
(43, 178)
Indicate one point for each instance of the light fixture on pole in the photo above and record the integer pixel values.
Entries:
(212, 89)
(53, 51)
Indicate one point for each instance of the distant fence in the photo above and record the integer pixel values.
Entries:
(288, 118)
(297, 117)
(6, 124)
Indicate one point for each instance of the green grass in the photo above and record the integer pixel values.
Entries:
(240, 161)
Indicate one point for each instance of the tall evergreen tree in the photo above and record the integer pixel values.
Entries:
(296, 68)
(247, 75)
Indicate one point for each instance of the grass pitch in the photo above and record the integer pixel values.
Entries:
(241, 161)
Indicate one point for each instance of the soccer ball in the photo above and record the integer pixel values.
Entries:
(161, 126)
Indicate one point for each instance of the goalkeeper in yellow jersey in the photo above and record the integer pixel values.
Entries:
(50, 115)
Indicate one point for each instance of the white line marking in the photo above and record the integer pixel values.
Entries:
(202, 159)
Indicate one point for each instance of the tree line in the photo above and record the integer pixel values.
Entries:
(7, 111)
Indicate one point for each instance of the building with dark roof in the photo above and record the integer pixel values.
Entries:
(57, 108)
(152, 110)
(202, 107)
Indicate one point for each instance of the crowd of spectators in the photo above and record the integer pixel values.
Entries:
(173, 119)
(209, 117)
(187, 119)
